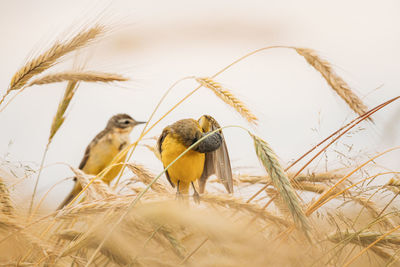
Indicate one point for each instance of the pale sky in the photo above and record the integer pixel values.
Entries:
(160, 42)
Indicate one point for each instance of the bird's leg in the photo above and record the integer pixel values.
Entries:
(196, 196)
(178, 192)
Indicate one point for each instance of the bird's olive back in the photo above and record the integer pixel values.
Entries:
(186, 131)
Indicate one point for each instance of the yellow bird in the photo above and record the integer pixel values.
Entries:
(209, 157)
(102, 150)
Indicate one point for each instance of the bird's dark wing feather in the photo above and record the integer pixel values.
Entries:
(85, 158)
(159, 146)
(216, 162)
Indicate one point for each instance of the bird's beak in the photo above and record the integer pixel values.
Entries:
(139, 122)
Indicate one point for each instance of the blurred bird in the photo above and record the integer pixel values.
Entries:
(209, 157)
(102, 150)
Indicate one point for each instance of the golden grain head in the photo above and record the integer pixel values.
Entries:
(51, 56)
(281, 182)
(333, 79)
(78, 76)
(229, 98)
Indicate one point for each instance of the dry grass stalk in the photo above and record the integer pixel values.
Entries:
(92, 208)
(11, 226)
(228, 97)
(281, 182)
(119, 254)
(97, 189)
(317, 177)
(50, 57)
(251, 179)
(154, 150)
(79, 76)
(146, 177)
(311, 187)
(365, 238)
(334, 80)
(240, 205)
(17, 263)
(373, 209)
(278, 201)
(314, 177)
(59, 118)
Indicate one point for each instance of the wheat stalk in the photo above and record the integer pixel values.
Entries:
(118, 254)
(311, 187)
(10, 225)
(373, 209)
(90, 208)
(97, 189)
(281, 182)
(334, 80)
(365, 238)
(78, 76)
(240, 205)
(154, 150)
(50, 57)
(316, 177)
(229, 98)
(250, 179)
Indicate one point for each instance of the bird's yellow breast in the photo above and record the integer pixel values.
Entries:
(103, 152)
(188, 168)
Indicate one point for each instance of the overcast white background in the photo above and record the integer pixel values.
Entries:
(159, 42)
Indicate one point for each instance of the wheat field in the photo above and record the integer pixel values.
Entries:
(293, 217)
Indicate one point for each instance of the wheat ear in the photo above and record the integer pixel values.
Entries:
(91, 240)
(59, 118)
(78, 76)
(334, 80)
(50, 57)
(281, 182)
(373, 209)
(146, 177)
(229, 98)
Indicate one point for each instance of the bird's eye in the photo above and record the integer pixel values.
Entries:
(126, 122)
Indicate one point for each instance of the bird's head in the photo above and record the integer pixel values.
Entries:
(123, 122)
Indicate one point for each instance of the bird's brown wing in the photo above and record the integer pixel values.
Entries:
(159, 146)
(85, 157)
(216, 162)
